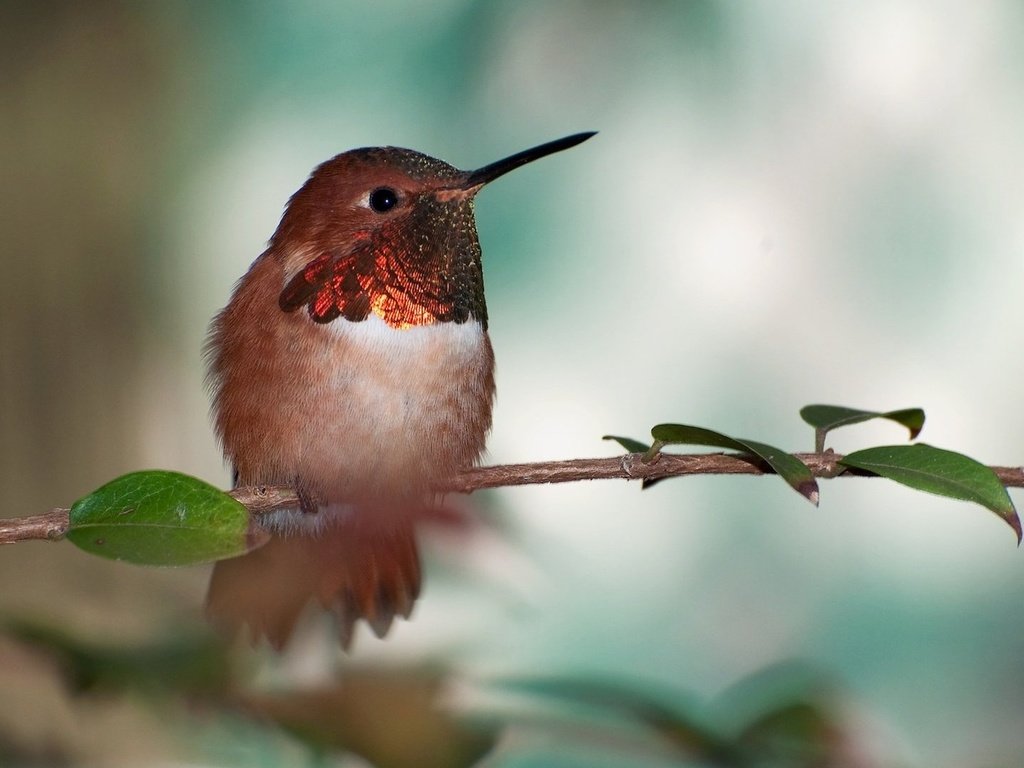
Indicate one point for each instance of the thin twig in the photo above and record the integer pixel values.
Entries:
(50, 526)
(261, 500)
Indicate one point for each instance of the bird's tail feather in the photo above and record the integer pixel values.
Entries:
(354, 571)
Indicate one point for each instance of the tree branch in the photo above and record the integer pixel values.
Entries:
(50, 526)
(261, 500)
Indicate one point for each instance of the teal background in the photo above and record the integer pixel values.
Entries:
(787, 203)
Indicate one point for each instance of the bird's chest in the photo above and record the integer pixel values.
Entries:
(379, 383)
(374, 410)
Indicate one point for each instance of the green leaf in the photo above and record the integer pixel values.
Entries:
(934, 470)
(786, 465)
(825, 418)
(631, 445)
(162, 518)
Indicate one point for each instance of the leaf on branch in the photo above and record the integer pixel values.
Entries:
(934, 470)
(825, 418)
(631, 445)
(157, 517)
(785, 465)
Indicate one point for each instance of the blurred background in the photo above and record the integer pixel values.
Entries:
(787, 203)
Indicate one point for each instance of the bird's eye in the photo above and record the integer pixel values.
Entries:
(383, 199)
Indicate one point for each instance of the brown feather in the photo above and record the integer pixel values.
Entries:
(351, 570)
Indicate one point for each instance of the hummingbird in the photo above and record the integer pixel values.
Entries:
(353, 363)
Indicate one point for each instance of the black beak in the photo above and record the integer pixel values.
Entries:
(490, 172)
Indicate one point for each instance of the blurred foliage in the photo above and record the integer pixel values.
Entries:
(394, 718)
(192, 666)
(413, 716)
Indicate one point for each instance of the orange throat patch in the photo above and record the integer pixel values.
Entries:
(404, 290)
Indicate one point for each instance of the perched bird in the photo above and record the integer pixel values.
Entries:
(353, 363)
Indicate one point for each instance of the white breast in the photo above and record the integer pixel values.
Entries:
(460, 341)
(398, 408)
